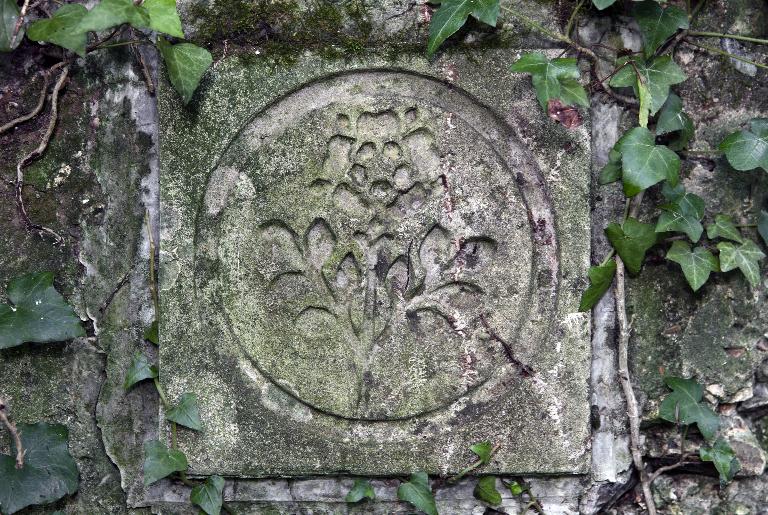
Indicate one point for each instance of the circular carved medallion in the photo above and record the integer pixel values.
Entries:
(364, 230)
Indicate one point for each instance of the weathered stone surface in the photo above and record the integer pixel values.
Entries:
(362, 265)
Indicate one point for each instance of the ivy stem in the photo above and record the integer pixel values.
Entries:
(572, 19)
(727, 36)
(152, 281)
(746, 226)
(161, 392)
(123, 43)
(11, 427)
(608, 257)
(474, 465)
(625, 327)
(727, 54)
(702, 152)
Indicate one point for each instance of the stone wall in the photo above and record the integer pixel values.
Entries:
(100, 177)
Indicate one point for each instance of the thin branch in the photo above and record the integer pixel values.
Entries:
(727, 36)
(14, 433)
(727, 54)
(19, 23)
(573, 17)
(37, 152)
(143, 65)
(40, 102)
(633, 411)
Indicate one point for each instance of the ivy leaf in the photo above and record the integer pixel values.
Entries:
(696, 265)
(186, 412)
(645, 102)
(417, 492)
(139, 370)
(163, 17)
(209, 495)
(724, 459)
(552, 78)
(485, 490)
(673, 119)
(631, 241)
(724, 228)
(600, 278)
(49, 472)
(38, 313)
(62, 29)
(643, 163)
(159, 461)
(186, 64)
(611, 172)
(9, 15)
(483, 451)
(762, 226)
(683, 215)
(111, 13)
(747, 150)
(362, 489)
(657, 24)
(745, 257)
(684, 405)
(515, 488)
(658, 75)
(453, 14)
(152, 333)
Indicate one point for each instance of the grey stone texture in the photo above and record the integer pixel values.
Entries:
(101, 175)
(359, 252)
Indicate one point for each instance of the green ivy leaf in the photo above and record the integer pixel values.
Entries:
(762, 226)
(724, 459)
(684, 405)
(152, 334)
(159, 461)
(9, 15)
(683, 215)
(62, 29)
(186, 412)
(600, 278)
(208, 496)
(644, 95)
(49, 472)
(483, 451)
(611, 172)
(485, 490)
(111, 13)
(696, 265)
(418, 493)
(163, 17)
(747, 150)
(643, 163)
(186, 64)
(362, 489)
(552, 78)
(139, 370)
(723, 227)
(657, 24)
(658, 75)
(515, 488)
(453, 14)
(745, 257)
(38, 313)
(631, 241)
(673, 119)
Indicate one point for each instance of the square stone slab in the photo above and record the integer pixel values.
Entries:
(370, 265)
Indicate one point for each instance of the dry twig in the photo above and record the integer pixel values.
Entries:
(37, 152)
(633, 410)
(14, 433)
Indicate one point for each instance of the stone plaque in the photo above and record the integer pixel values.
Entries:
(367, 268)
